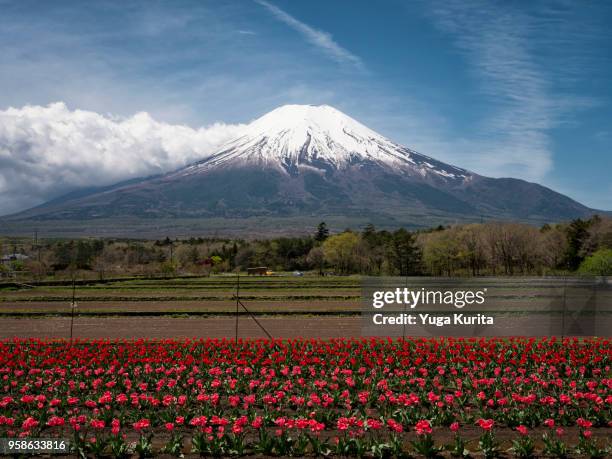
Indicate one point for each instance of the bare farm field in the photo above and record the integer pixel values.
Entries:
(180, 327)
(285, 306)
(202, 307)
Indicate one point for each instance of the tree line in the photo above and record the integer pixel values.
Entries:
(492, 248)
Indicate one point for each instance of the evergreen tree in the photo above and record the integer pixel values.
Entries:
(404, 253)
(322, 232)
(577, 232)
(369, 234)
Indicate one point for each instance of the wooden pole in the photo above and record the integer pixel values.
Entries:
(237, 302)
(72, 306)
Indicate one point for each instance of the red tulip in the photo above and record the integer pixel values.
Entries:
(485, 424)
(522, 430)
(423, 427)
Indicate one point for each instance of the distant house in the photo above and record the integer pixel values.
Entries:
(6, 259)
(259, 271)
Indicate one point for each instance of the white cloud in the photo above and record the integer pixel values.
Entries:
(318, 38)
(48, 150)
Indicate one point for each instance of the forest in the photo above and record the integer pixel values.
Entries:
(478, 249)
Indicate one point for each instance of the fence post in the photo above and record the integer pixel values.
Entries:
(237, 302)
(564, 307)
(72, 306)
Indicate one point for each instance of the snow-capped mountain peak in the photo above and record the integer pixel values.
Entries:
(295, 137)
(302, 163)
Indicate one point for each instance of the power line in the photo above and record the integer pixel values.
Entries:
(239, 303)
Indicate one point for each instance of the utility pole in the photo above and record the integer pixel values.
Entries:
(564, 308)
(72, 305)
(73, 266)
(237, 302)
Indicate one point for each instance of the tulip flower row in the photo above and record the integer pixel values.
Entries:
(349, 396)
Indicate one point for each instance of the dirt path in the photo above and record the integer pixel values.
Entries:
(297, 326)
(165, 327)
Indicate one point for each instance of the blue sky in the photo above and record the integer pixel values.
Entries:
(502, 88)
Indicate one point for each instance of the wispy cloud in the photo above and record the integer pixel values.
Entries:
(499, 42)
(319, 38)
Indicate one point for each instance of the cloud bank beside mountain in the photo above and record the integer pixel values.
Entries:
(46, 151)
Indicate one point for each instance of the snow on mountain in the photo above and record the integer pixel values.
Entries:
(297, 164)
(294, 137)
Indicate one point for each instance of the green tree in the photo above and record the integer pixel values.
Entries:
(339, 251)
(442, 253)
(169, 268)
(598, 264)
(369, 234)
(577, 233)
(63, 255)
(17, 265)
(404, 253)
(375, 250)
(316, 258)
(292, 252)
(472, 251)
(322, 232)
(193, 255)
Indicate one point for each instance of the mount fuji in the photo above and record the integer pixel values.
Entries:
(302, 138)
(301, 164)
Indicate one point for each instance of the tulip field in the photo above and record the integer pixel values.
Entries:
(419, 397)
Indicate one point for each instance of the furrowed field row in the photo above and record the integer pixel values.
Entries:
(176, 298)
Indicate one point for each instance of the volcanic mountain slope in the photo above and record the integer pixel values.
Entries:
(315, 161)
